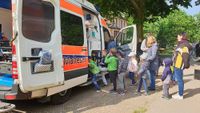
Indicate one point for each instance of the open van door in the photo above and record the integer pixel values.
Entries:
(127, 39)
(38, 43)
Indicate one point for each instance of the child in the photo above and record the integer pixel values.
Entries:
(94, 70)
(166, 77)
(112, 64)
(122, 69)
(142, 73)
(132, 67)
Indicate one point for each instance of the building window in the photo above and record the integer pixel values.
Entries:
(71, 29)
(38, 20)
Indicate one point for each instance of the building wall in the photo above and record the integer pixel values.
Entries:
(115, 25)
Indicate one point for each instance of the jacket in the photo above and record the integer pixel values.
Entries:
(152, 54)
(112, 63)
(94, 69)
(143, 68)
(123, 63)
(167, 70)
(181, 54)
(132, 65)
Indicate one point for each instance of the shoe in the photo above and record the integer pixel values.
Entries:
(151, 89)
(122, 93)
(113, 91)
(146, 93)
(98, 91)
(165, 97)
(177, 96)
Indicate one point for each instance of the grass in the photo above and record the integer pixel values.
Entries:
(141, 110)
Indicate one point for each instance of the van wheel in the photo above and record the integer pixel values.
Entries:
(61, 97)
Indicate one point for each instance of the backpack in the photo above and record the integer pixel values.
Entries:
(186, 57)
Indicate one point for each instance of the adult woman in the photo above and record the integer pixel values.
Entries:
(181, 61)
(152, 54)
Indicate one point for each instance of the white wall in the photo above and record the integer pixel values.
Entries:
(6, 22)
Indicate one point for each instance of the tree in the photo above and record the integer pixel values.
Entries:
(140, 10)
(166, 29)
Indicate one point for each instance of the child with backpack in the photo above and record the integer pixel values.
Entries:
(166, 77)
(112, 65)
(132, 67)
(94, 70)
(142, 73)
(122, 71)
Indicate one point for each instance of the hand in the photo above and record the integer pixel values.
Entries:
(104, 53)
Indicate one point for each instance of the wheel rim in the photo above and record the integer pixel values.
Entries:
(63, 93)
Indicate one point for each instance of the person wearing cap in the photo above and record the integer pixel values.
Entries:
(94, 70)
(180, 62)
(132, 67)
(122, 71)
(112, 65)
(142, 73)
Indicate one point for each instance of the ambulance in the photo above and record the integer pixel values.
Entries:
(45, 44)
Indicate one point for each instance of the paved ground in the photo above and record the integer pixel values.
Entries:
(86, 100)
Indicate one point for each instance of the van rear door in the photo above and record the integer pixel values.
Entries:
(37, 23)
(127, 39)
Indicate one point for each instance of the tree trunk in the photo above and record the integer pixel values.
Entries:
(140, 31)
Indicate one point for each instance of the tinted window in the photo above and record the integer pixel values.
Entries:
(71, 29)
(38, 20)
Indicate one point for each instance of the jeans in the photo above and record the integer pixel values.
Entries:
(113, 78)
(142, 81)
(94, 81)
(166, 90)
(178, 74)
(131, 76)
(152, 79)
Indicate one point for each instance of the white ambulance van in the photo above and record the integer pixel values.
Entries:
(45, 46)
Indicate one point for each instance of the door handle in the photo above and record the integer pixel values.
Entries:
(24, 59)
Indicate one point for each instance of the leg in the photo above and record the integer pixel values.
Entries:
(179, 77)
(139, 85)
(145, 85)
(120, 78)
(115, 80)
(152, 80)
(94, 77)
(104, 80)
(165, 92)
(131, 76)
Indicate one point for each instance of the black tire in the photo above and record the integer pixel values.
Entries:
(61, 97)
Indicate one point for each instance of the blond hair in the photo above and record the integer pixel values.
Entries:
(151, 40)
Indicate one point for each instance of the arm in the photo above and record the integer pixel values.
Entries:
(143, 46)
(107, 59)
(154, 53)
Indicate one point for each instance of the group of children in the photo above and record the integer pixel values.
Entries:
(118, 65)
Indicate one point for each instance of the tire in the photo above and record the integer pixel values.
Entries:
(60, 98)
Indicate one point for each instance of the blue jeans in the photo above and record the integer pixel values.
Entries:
(178, 74)
(142, 81)
(152, 79)
(94, 81)
(131, 76)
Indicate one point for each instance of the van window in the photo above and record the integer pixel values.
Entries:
(71, 29)
(126, 36)
(38, 20)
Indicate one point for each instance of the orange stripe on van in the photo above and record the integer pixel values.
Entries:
(71, 7)
(74, 57)
(103, 22)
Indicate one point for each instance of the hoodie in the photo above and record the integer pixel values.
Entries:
(167, 71)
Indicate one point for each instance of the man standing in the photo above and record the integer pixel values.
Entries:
(180, 62)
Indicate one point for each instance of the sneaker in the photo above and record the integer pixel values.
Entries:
(146, 93)
(165, 97)
(98, 91)
(177, 96)
(113, 91)
(122, 93)
(151, 89)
